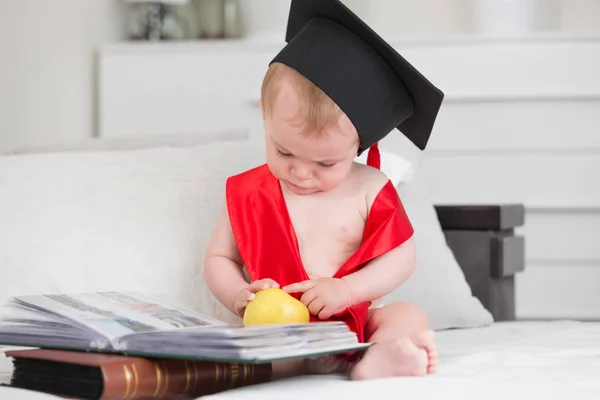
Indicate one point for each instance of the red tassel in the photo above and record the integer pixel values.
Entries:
(374, 158)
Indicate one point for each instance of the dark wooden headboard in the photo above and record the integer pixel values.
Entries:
(483, 240)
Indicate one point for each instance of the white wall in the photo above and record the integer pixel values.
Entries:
(400, 17)
(46, 72)
(47, 75)
(394, 18)
(519, 125)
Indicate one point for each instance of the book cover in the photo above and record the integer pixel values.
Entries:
(82, 375)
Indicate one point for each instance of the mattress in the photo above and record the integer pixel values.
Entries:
(508, 361)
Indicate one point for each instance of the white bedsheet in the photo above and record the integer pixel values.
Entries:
(507, 361)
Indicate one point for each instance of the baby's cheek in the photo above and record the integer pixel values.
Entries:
(333, 179)
(275, 165)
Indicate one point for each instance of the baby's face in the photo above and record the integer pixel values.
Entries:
(308, 164)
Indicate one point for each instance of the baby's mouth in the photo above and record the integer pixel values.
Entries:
(296, 186)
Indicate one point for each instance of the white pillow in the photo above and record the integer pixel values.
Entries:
(122, 220)
(398, 169)
(141, 220)
(114, 220)
(438, 285)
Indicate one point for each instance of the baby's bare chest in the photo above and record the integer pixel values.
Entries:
(328, 231)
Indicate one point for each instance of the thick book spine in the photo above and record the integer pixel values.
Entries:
(158, 378)
(105, 377)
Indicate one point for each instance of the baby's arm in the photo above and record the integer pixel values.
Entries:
(223, 263)
(223, 269)
(383, 274)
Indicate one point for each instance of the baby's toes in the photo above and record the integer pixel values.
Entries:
(425, 340)
(432, 367)
(433, 362)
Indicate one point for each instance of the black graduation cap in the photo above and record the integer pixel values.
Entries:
(367, 78)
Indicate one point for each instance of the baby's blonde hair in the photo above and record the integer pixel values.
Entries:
(317, 110)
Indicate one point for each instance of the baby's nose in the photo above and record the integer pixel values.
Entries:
(301, 172)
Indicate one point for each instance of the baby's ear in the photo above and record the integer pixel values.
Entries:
(346, 125)
(262, 110)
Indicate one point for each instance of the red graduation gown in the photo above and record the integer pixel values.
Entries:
(268, 245)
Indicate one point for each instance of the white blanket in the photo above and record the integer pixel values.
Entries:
(507, 361)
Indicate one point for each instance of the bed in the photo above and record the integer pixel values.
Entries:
(515, 360)
(508, 360)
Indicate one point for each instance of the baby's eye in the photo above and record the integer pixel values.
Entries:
(325, 165)
(281, 153)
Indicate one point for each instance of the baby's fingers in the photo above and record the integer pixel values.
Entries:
(268, 283)
(247, 296)
(242, 301)
(262, 285)
(325, 313)
(299, 287)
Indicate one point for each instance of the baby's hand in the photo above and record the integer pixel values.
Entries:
(248, 294)
(324, 297)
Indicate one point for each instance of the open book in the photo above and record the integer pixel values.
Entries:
(133, 324)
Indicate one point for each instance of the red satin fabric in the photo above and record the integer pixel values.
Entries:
(374, 157)
(268, 245)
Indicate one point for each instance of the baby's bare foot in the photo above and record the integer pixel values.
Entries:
(401, 357)
(426, 340)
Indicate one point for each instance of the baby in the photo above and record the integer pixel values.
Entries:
(312, 221)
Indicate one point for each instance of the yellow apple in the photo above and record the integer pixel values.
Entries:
(275, 306)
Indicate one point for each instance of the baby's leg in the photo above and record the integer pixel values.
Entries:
(403, 344)
(324, 365)
(288, 369)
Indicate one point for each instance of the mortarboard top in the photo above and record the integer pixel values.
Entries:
(373, 84)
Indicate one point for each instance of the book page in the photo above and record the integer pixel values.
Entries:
(115, 314)
(134, 324)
